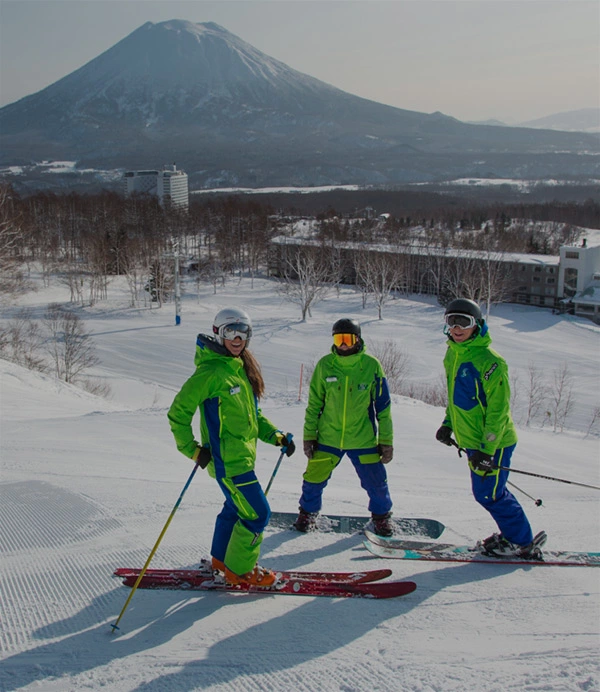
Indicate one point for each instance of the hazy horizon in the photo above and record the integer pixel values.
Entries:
(471, 59)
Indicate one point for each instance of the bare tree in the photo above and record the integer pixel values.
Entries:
(495, 280)
(69, 344)
(395, 362)
(380, 273)
(306, 278)
(595, 418)
(537, 393)
(562, 397)
(11, 243)
(21, 341)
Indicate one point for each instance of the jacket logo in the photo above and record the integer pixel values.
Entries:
(235, 390)
(362, 387)
(488, 374)
(331, 379)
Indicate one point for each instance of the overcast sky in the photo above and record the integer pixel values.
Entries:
(472, 59)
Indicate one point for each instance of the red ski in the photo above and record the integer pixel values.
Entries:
(205, 572)
(198, 580)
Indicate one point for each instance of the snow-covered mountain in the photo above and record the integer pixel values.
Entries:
(582, 120)
(229, 114)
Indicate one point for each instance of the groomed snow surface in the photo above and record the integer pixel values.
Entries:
(88, 484)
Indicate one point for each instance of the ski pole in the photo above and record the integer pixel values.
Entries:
(278, 464)
(162, 533)
(538, 503)
(528, 473)
(548, 478)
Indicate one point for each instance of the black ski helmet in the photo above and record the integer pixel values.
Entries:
(464, 306)
(346, 326)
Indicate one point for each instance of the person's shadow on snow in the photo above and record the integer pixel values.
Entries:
(153, 617)
(314, 629)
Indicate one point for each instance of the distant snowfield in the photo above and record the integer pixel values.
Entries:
(87, 485)
(111, 175)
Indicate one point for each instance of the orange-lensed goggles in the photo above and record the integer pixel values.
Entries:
(348, 339)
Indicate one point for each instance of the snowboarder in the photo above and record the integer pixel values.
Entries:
(348, 412)
(226, 387)
(478, 414)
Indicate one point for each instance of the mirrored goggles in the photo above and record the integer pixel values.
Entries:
(455, 319)
(231, 331)
(348, 339)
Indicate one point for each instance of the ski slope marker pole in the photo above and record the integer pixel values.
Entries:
(162, 533)
(278, 464)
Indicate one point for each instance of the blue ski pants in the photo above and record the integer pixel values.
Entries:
(491, 493)
(367, 464)
(240, 524)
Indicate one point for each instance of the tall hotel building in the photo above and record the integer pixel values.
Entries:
(169, 185)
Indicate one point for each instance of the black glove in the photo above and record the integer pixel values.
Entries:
(386, 452)
(444, 435)
(203, 457)
(481, 461)
(285, 441)
(310, 447)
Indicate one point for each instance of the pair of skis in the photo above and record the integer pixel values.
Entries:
(400, 549)
(367, 584)
(298, 583)
(334, 584)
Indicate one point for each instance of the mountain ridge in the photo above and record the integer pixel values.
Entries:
(230, 114)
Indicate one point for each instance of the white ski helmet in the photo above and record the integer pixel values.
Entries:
(234, 319)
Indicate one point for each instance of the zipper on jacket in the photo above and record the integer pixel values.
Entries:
(451, 394)
(344, 412)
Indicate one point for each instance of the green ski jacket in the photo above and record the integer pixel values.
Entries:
(478, 408)
(349, 403)
(230, 420)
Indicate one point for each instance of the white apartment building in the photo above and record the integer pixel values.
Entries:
(169, 185)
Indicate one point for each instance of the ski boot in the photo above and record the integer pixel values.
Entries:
(306, 521)
(382, 524)
(498, 546)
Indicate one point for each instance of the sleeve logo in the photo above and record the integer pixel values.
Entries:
(489, 373)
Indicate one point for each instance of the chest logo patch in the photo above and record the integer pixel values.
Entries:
(235, 390)
(331, 379)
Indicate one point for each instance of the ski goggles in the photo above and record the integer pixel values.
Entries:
(348, 339)
(231, 331)
(456, 319)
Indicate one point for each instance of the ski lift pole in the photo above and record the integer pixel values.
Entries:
(162, 533)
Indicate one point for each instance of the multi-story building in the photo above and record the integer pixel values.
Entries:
(564, 282)
(169, 185)
(579, 280)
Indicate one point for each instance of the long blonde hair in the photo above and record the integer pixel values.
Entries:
(253, 373)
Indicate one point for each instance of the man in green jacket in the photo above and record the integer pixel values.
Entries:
(348, 412)
(478, 414)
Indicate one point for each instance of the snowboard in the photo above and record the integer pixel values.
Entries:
(398, 549)
(428, 528)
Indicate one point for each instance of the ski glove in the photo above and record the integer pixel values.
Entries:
(444, 435)
(386, 452)
(481, 461)
(285, 440)
(202, 457)
(310, 447)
